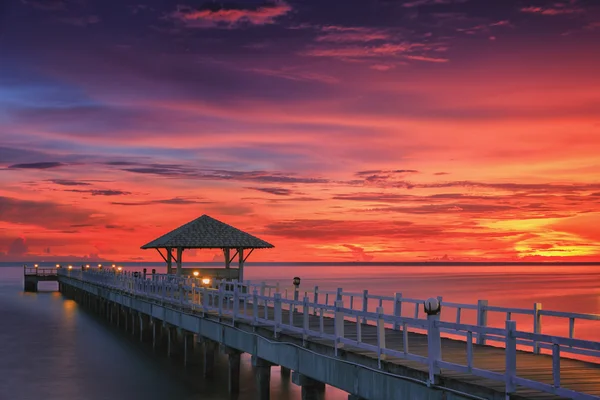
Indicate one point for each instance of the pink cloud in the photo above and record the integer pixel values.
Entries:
(556, 9)
(262, 15)
(427, 59)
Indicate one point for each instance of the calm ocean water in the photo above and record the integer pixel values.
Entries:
(52, 349)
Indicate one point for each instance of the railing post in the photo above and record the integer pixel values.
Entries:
(255, 306)
(537, 325)
(338, 324)
(338, 294)
(511, 357)
(277, 312)
(316, 300)
(236, 302)
(397, 309)
(296, 294)
(434, 343)
(221, 292)
(555, 364)
(365, 304)
(481, 319)
(380, 336)
(262, 291)
(305, 318)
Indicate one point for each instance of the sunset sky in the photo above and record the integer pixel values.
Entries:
(336, 130)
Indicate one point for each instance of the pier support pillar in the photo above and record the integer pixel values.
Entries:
(170, 333)
(144, 326)
(133, 322)
(311, 389)
(30, 284)
(209, 357)
(285, 372)
(234, 370)
(188, 347)
(262, 369)
(157, 333)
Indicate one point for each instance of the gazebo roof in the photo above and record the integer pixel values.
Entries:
(207, 233)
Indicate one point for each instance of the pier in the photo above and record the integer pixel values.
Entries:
(371, 355)
(375, 347)
(33, 275)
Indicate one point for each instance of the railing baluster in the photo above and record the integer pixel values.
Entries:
(397, 309)
(571, 328)
(321, 324)
(305, 318)
(316, 299)
(277, 313)
(338, 324)
(469, 350)
(481, 319)
(380, 336)
(255, 306)
(358, 329)
(537, 325)
(556, 365)
(405, 338)
(365, 304)
(511, 357)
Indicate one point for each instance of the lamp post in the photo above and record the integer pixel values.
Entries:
(296, 283)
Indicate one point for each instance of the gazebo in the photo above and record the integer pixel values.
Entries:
(208, 233)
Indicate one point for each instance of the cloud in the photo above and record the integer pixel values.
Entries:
(172, 201)
(97, 192)
(385, 171)
(214, 14)
(38, 165)
(359, 253)
(343, 34)
(420, 3)
(68, 182)
(187, 172)
(273, 190)
(557, 8)
(46, 214)
(428, 59)
(382, 67)
(18, 247)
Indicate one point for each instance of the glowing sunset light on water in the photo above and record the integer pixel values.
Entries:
(408, 135)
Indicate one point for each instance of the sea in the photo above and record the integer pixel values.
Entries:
(52, 349)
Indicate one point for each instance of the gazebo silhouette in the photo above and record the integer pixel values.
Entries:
(208, 233)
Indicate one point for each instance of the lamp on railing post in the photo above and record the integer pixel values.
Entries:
(296, 283)
(433, 308)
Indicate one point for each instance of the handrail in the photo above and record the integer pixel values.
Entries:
(235, 299)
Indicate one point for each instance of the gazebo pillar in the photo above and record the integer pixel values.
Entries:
(227, 254)
(241, 265)
(179, 254)
(169, 261)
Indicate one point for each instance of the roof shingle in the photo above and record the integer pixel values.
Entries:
(207, 233)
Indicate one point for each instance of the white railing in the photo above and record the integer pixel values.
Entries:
(262, 304)
(39, 271)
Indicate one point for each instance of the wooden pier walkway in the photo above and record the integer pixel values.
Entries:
(355, 350)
